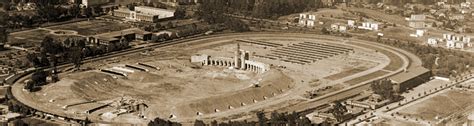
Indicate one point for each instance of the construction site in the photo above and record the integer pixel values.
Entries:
(215, 78)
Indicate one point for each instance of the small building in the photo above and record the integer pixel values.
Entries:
(141, 34)
(457, 41)
(456, 44)
(351, 23)
(167, 33)
(410, 78)
(466, 5)
(307, 20)
(337, 27)
(456, 17)
(418, 33)
(119, 38)
(9, 117)
(417, 21)
(433, 41)
(373, 26)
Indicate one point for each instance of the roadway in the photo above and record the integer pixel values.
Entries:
(20, 95)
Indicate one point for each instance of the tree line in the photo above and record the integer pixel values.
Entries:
(441, 61)
(384, 88)
(213, 12)
(52, 52)
(276, 119)
(270, 9)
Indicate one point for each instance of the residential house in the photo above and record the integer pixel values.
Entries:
(351, 23)
(417, 21)
(338, 27)
(466, 5)
(370, 25)
(418, 33)
(457, 41)
(456, 17)
(433, 41)
(307, 20)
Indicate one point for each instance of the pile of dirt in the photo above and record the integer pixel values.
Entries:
(97, 86)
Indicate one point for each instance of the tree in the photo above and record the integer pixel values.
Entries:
(157, 27)
(262, 120)
(29, 86)
(214, 123)
(162, 122)
(325, 31)
(149, 28)
(39, 77)
(180, 13)
(75, 56)
(339, 111)
(170, 25)
(54, 72)
(237, 25)
(199, 123)
(33, 58)
(48, 45)
(384, 88)
(43, 59)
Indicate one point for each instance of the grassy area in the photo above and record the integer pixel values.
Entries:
(92, 27)
(443, 105)
(378, 15)
(27, 37)
(345, 73)
(366, 77)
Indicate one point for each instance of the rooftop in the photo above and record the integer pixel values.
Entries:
(419, 17)
(409, 74)
(154, 8)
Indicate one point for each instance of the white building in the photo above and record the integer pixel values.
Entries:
(90, 3)
(466, 5)
(417, 21)
(456, 44)
(433, 41)
(307, 20)
(351, 23)
(373, 26)
(418, 33)
(162, 13)
(338, 27)
(457, 41)
(143, 13)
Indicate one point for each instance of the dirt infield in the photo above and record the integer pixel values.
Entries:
(185, 91)
(274, 84)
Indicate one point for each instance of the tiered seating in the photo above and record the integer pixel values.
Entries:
(305, 53)
(258, 42)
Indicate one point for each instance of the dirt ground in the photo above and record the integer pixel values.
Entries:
(32, 38)
(92, 27)
(182, 89)
(442, 106)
